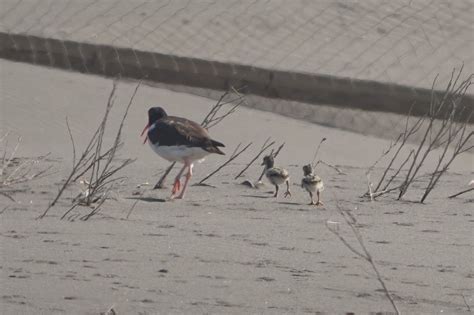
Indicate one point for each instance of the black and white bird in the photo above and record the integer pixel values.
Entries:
(312, 183)
(276, 175)
(181, 140)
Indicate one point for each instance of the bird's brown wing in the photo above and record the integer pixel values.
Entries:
(174, 131)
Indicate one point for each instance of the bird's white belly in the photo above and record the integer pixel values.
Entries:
(276, 180)
(180, 153)
(318, 186)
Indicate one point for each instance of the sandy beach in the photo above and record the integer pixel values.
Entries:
(226, 249)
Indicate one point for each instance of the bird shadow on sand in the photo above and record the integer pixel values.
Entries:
(257, 196)
(147, 199)
(291, 203)
(204, 185)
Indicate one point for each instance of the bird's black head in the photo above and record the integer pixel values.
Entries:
(307, 169)
(268, 161)
(155, 114)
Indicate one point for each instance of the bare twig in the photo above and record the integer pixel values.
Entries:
(465, 303)
(72, 142)
(351, 221)
(85, 157)
(265, 146)
(278, 150)
(462, 192)
(445, 127)
(100, 167)
(3, 210)
(15, 170)
(317, 150)
(161, 182)
(232, 157)
(445, 134)
(131, 209)
(5, 194)
(331, 166)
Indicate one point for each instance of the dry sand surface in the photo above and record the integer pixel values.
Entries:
(227, 249)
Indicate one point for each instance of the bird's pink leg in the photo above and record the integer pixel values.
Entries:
(189, 174)
(177, 183)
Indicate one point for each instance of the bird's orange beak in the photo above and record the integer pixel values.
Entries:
(144, 130)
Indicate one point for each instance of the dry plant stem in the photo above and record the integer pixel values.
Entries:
(83, 159)
(331, 166)
(12, 155)
(364, 254)
(101, 181)
(400, 141)
(7, 196)
(72, 142)
(212, 119)
(94, 211)
(317, 149)
(22, 173)
(265, 146)
(461, 192)
(465, 303)
(101, 166)
(278, 150)
(233, 157)
(3, 210)
(274, 156)
(412, 153)
(131, 209)
(438, 173)
(434, 136)
(69, 210)
(161, 182)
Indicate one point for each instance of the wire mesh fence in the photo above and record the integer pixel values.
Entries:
(399, 42)
(403, 41)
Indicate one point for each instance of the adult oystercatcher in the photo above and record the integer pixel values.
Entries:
(312, 183)
(178, 139)
(276, 175)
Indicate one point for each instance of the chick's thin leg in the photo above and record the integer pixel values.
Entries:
(319, 202)
(287, 193)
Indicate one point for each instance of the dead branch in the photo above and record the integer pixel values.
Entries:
(466, 304)
(317, 150)
(264, 147)
(445, 133)
(100, 167)
(331, 166)
(85, 157)
(72, 142)
(351, 221)
(161, 182)
(15, 170)
(131, 209)
(3, 210)
(460, 193)
(278, 150)
(5, 194)
(444, 128)
(232, 157)
(213, 117)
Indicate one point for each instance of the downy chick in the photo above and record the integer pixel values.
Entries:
(312, 183)
(276, 175)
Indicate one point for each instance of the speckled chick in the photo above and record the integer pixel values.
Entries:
(312, 183)
(276, 175)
